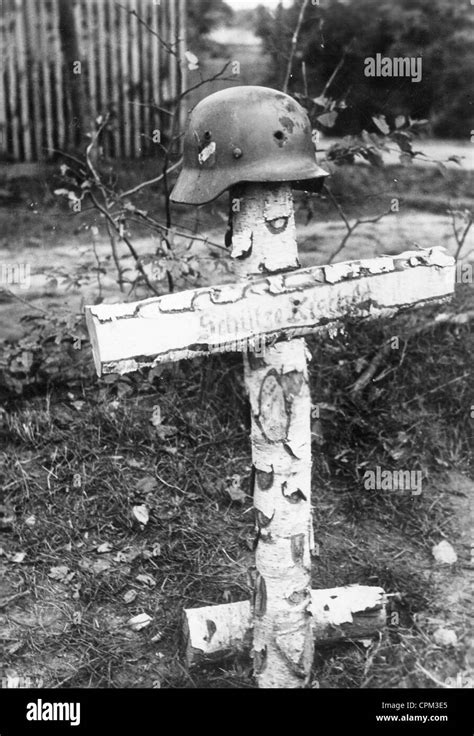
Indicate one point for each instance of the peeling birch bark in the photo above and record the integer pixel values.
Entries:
(348, 613)
(248, 315)
(264, 241)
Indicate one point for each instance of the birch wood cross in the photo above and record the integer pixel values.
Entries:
(265, 315)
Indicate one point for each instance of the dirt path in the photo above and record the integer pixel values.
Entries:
(393, 234)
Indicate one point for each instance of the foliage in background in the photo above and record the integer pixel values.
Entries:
(440, 31)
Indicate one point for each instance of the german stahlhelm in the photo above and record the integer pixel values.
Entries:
(246, 134)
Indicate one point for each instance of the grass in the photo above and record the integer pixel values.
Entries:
(78, 456)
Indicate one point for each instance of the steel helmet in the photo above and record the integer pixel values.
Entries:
(246, 134)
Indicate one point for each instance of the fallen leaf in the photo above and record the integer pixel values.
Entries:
(18, 557)
(101, 566)
(445, 637)
(130, 596)
(14, 647)
(146, 579)
(58, 573)
(140, 621)
(156, 416)
(104, 547)
(147, 484)
(141, 514)
(7, 517)
(444, 553)
(234, 490)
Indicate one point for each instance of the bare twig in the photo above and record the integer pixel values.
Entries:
(167, 46)
(4, 602)
(148, 183)
(126, 240)
(460, 238)
(338, 68)
(350, 228)
(449, 318)
(113, 244)
(294, 43)
(99, 267)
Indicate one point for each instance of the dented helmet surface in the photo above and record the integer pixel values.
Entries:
(240, 134)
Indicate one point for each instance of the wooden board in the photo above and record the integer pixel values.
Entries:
(351, 612)
(246, 315)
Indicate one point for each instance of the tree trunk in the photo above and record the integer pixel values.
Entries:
(264, 241)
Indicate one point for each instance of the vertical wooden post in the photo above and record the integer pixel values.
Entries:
(264, 241)
(11, 21)
(114, 78)
(59, 86)
(155, 54)
(33, 33)
(134, 80)
(125, 77)
(91, 55)
(3, 66)
(44, 52)
(22, 67)
(183, 76)
(101, 41)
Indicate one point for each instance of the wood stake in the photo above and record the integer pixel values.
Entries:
(264, 241)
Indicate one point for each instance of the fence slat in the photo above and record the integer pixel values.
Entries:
(134, 80)
(45, 77)
(101, 46)
(3, 67)
(183, 81)
(90, 45)
(144, 74)
(125, 68)
(12, 86)
(114, 78)
(173, 35)
(20, 40)
(60, 122)
(124, 80)
(155, 66)
(33, 62)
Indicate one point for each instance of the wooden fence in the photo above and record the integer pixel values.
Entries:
(125, 65)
